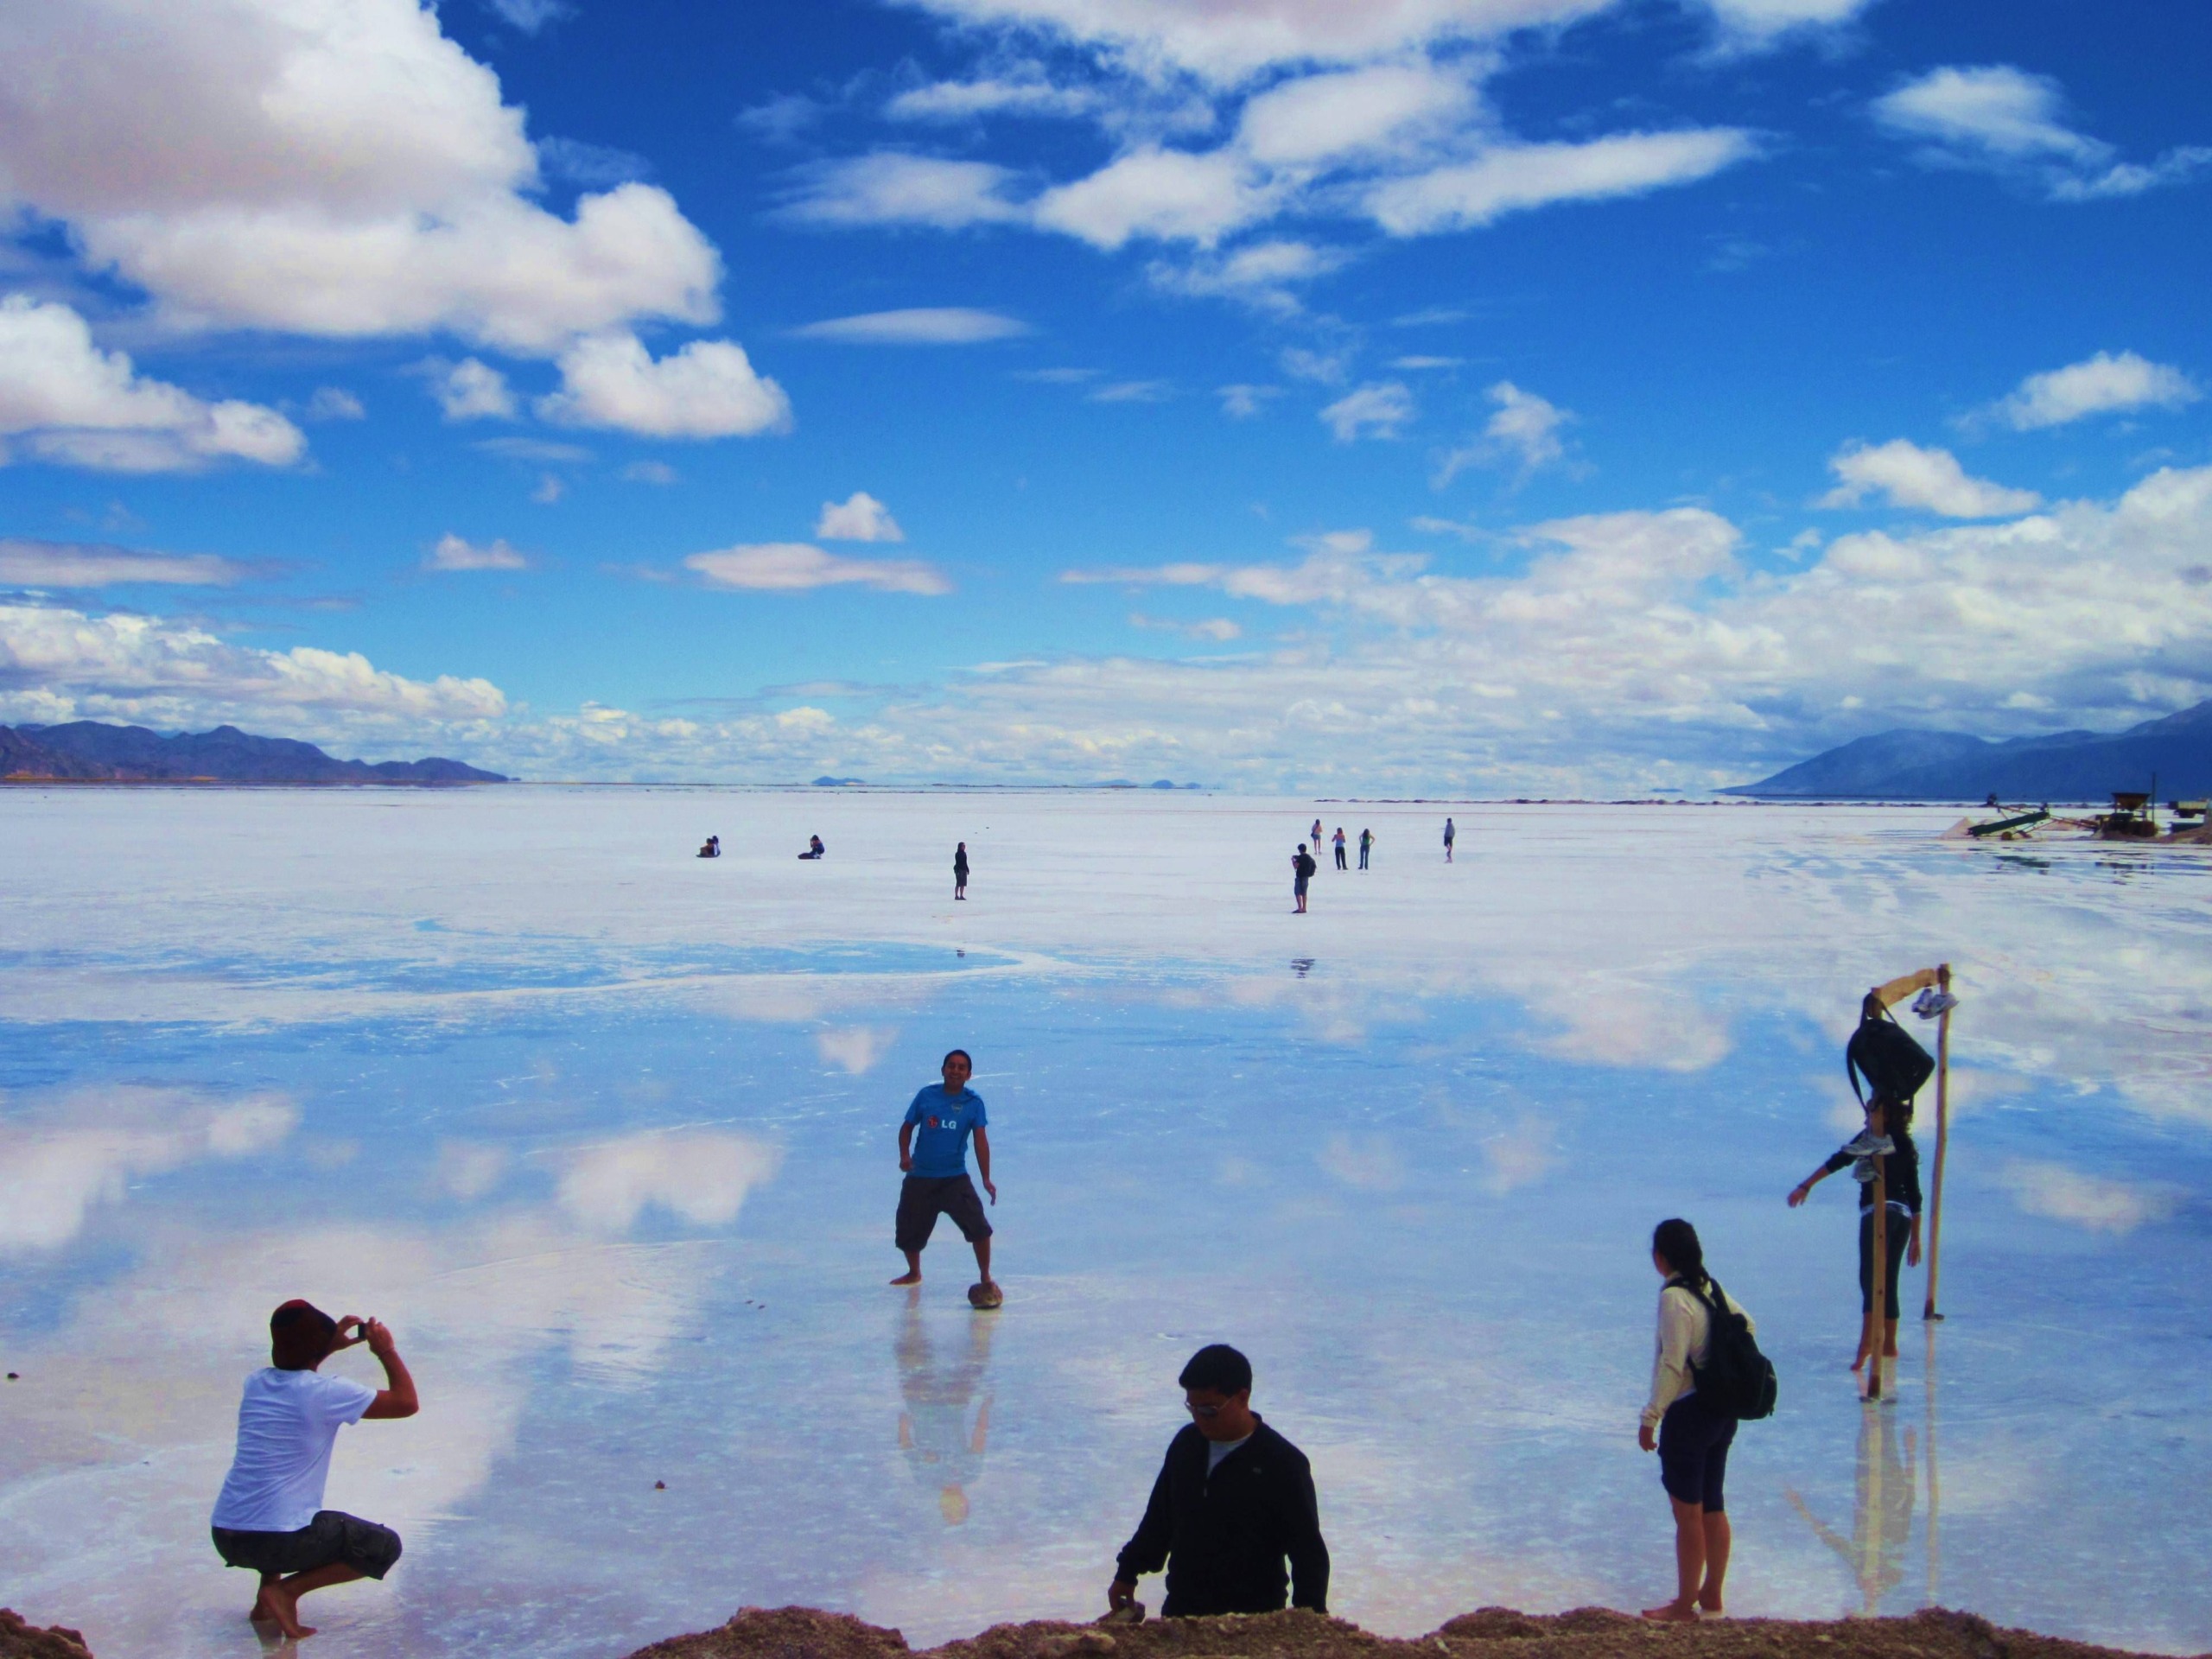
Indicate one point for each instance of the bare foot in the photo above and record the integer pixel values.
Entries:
(1710, 1610)
(261, 1614)
(913, 1278)
(1859, 1363)
(1889, 1350)
(1673, 1613)
(285, 1608)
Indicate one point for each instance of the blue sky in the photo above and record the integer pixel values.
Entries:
(1496, 395)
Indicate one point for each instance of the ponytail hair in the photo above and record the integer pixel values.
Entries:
(1676, 1240)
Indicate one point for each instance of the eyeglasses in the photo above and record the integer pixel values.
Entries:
(1204, 1413)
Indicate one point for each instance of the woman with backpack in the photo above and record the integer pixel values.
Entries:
(1691, 1431)
(1893, 1066)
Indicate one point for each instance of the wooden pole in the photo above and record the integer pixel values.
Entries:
(1877, 1275)
(1942, 1141)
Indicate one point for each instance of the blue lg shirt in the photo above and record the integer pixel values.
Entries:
(944, 1122)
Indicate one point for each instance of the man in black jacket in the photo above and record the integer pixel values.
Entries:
(1234, 1500)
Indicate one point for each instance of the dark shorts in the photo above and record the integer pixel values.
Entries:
(1298, 887)
(923, 1199)
(1896, 1232)
(332, 1537)
(1693, 1445)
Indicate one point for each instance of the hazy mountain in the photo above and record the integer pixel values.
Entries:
(87, 751)
(1955, 767)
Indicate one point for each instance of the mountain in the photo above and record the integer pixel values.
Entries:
(85, 751)
(1906, 765)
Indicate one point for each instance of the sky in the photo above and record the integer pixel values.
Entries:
(1490, 397)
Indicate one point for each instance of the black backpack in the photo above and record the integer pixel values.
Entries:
(1736, 1380)
(1882, 1053)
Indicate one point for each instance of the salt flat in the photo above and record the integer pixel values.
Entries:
(605, 1132)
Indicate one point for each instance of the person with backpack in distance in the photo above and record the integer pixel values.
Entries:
(1707, 1376)
(1302, 868)
(1893, 1066)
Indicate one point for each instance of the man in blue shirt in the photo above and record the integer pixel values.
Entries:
(933, 1151)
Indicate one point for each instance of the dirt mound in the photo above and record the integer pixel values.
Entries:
(1489, 1633)
(21, 1641)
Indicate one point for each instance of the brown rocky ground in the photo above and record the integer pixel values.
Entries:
(1492, 1633)
(21, 1641)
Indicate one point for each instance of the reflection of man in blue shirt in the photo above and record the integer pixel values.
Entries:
(933, 1151)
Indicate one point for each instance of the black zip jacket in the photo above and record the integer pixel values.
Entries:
(1223, 1540)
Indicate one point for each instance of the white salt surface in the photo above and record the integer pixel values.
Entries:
(606, 1133)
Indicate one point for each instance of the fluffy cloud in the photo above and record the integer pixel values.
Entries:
(1327, 117)
(326, 169)
(2002, 119)
(1908, 476)
(1513, 178)
(861, 517)
(893, 186)
(1169, 194)
(2103, 384)
(1029, 93)
(942, 325)
(800, 567)
(471, 390)
(63, 399)
(65, 663)
(1759, 22)
(1261, 273)
(80, 564)
(452, 553)
(1523, 432)
(707, 389)
(1377, 410)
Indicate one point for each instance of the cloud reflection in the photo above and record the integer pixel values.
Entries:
(701, 1176)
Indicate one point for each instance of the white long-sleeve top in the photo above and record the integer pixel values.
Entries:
(1684, 1334)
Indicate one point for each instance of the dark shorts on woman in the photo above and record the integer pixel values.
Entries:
(923, 1199)
(331, 1538)
(1895, 1233)
(1693, 1442)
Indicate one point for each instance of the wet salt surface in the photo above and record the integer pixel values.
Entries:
(606, 1133)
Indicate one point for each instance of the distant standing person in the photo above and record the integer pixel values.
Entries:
(960, 871)
(933, 1151)
(1233, 1502)
(1690, 1435)
(1366, 841)
(1888, 1135)
(1316, 836)
(1449, 834)
(269, 1518)
(1302, 872)
(1340, 846)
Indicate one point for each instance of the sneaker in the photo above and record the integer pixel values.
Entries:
(1931, 1002)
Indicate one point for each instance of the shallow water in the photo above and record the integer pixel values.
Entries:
(606, 1133)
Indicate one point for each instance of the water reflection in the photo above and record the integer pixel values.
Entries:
(945, 1427)
(1881, 1519)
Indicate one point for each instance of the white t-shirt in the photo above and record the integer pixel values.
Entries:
(288, 1422)
(1216, 1449)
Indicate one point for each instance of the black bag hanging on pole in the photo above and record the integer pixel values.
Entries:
(1882, 1053)
(1736, 1380)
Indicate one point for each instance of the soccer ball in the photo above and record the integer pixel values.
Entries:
(981, 1295)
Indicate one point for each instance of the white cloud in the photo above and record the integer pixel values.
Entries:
(707, 389)
(895, 187)
(701, 1176)
(1524, 432)
(335, 403)
(2103, 384)
(1375, 410)
(1243, 402)
(469, 1169)
(942, 325)
(1909, 476)
(1370, 1164)
(1260, 274)
(1131, 392)
(63, 399)
(1518, 1157)
(1323, 368)
(650, 471)
(1512, 178)
(1032, 94)
(1760, 23)
(2096, 1202)
(472, 391)
(1164, 194)
(1327, 117)
(336, 170)
(854, 1049)
(452, 553)
(800, 567)
(126, 665)
(861, 517)
(550, 488)
(2002, 119)
(78, 564)
(1219, 629)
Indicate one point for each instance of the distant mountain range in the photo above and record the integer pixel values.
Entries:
(1907, 765)
(87, 751)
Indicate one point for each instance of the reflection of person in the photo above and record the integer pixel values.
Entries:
(269, 1518)
(933, 1151)
(1449, 835)
(1233, 1501)
(960, 871)
(1339, 844)
(1366, 841)
(1302, 872)
(1881, 1519)
(942, 1449)
(1888, 1135)
(1691, 1438)
(814, 848)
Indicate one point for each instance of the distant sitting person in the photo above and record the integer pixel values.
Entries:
(814, 848)
(712, 848)
(269, 1518)
(1233, 1502)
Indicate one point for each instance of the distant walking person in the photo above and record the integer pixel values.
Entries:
(1449, 834)
(960, 871)
(269, 1518)
(1302, 872)
(1233, 1502)
(1691, 1434)
(1340, 846)
(933, 1151)
(1366, 841)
